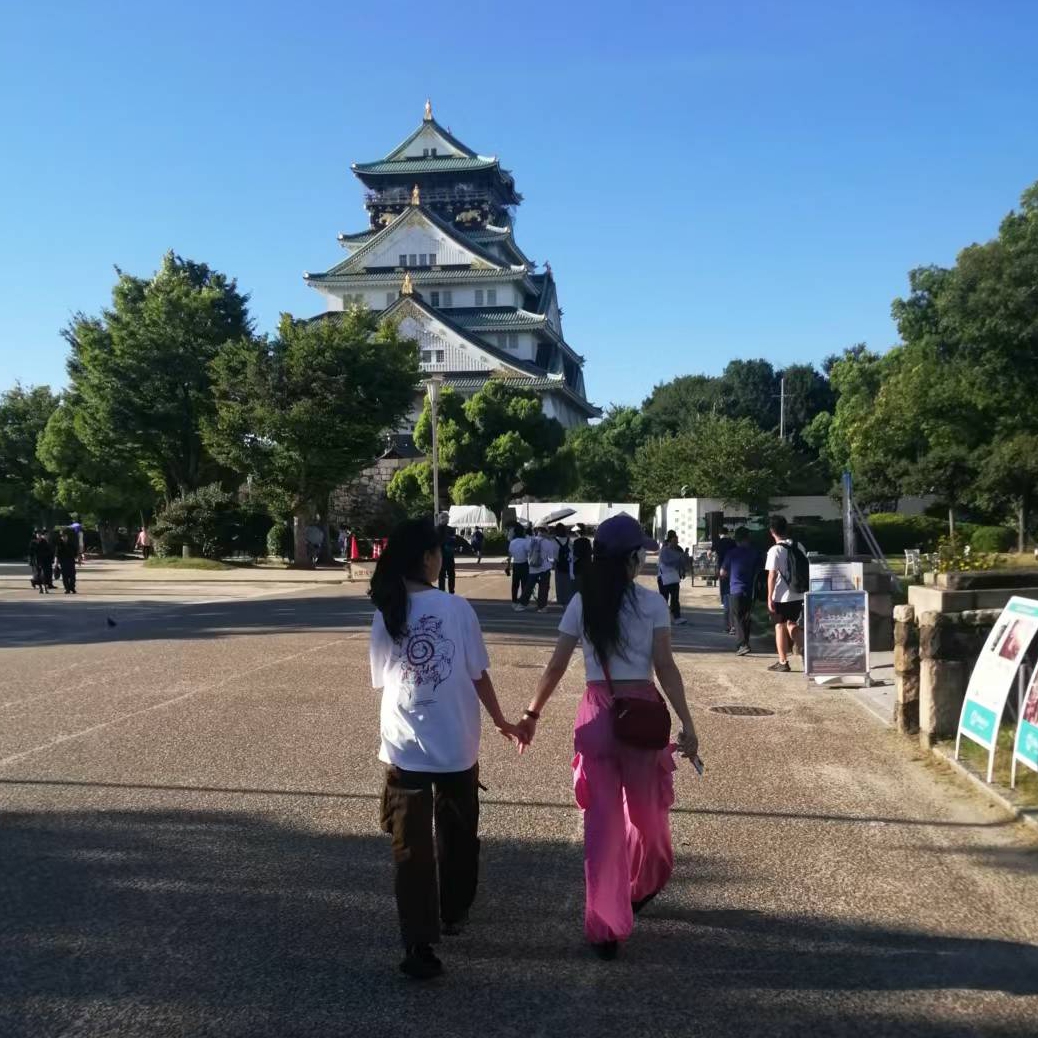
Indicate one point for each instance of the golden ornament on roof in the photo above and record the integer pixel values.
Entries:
(428, 110)
(407, 288)
(416, 197)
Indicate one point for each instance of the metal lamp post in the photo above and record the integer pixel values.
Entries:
(433, 385)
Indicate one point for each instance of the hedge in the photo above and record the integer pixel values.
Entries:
(992, 539)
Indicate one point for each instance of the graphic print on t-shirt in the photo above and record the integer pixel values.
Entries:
(427, 658)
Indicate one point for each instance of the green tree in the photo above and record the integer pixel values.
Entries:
(24, 414)
(808, 393)
(103, 489)
(1009, 479)
(141, 371)
(725, 458)
(474, 488)
(750, 389)
(501, 433)
(412, 489)
(673, 406)
(305, 412)
(603, 455)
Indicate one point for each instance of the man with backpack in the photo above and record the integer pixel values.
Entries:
(542, 558)
(788, 572)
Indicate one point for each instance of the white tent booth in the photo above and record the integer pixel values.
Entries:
(586, 513)
(469, 517)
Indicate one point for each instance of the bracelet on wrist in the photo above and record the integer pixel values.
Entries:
(532, 714)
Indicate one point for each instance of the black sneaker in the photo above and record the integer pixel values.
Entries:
(779, 667)
(743, 650)
(421, 963)
(606, 950)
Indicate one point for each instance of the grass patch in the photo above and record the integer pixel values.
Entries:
(176, 562)
(977, 757)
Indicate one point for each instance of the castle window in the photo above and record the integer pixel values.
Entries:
(447, 301)
(421, 259)
(432, 259)
(513, 340)
(432, 152)
(491, 297)
(434, 298)
(479, 297)
(412, 260)
(403, 259)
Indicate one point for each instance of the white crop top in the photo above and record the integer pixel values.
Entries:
(639, 621)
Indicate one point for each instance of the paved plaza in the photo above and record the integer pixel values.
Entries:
(189, 842)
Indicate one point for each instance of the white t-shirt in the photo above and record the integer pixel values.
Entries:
(519, 549)
(639, 621)
(430, 710)
(779, 563)
(549, 553)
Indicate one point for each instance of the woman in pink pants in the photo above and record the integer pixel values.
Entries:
(625, 792)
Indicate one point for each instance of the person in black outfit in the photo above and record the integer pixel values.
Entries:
(581, 548)
(722, 546)
(68, 550)
(41, 558)
(448, 548)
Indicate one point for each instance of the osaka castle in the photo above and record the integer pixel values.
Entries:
(440, 257)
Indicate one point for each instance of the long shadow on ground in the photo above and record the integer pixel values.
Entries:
(134, 923)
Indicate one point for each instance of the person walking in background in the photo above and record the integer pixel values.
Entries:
(741, 566)
(477, 544)
(788, 572)
(671, 570)
(143, 543)
(429, 659)
(722, 547)
(448, 550)
(625, 791)
(41, 558)
(564, 575)
(518, 564)
(581, 555)
(541, 560)
(67, 553)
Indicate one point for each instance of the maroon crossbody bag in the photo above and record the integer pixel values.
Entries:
(644, 723)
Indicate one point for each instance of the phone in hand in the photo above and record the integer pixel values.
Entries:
(697, 764)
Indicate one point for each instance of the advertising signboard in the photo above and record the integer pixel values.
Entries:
(1025, 745)
(836, 633)
(837, 576)
(994, 675)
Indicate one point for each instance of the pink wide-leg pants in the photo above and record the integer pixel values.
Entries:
(625, 794)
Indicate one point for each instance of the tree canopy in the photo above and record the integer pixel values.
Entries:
(24, 413)
(306, 411)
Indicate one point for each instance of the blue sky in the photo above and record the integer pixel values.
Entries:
(708, 180)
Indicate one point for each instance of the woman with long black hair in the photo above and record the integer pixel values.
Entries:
(429, 659)
(624, 763)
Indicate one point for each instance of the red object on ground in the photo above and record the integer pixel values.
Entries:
(376, 548)
(354, 551)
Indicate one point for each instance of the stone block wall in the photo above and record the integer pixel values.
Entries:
(362, 503)
(906, 670)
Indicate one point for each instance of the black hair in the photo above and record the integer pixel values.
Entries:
(670, 533)
(742, 534)
(402, 559)
(606, 583)
(779, 525)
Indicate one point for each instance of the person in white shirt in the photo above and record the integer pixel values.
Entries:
(429, 659)
(624, 790)
(518, 564)
(542, 560)
(785, 601)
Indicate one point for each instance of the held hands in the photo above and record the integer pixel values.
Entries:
(688, 743)
(512, 732)
(527, 728)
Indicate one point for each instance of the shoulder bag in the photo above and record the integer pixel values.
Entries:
(644, 723)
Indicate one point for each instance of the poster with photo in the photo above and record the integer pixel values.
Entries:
(836, 633)
(1025, 746)
(837, 576)
(994, 675)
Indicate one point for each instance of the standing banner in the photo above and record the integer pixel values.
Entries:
(1025, 745)
(837, 576)
(836, 633)
(994, 674)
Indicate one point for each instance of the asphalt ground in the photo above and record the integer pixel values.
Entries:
(189, 844)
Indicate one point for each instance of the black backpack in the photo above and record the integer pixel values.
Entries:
(799, 576)
(562, 561)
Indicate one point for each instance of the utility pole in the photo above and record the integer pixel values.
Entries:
(782, 409)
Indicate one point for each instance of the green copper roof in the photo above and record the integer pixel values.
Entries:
(423, 276)
(495, 318)
(441, 164)
(473, 383)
